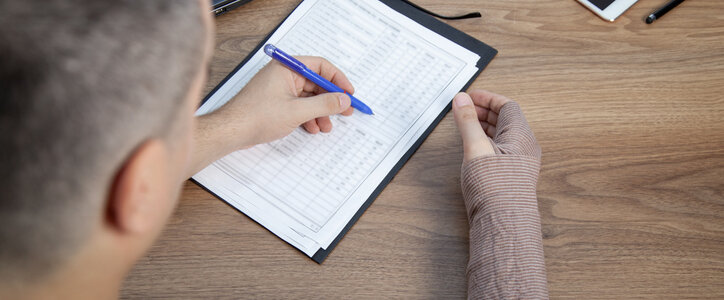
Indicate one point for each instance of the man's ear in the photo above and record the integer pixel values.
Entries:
(138, 186)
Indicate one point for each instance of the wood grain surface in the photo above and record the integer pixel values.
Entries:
(631, 121)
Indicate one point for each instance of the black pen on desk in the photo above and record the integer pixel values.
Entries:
(663, 10)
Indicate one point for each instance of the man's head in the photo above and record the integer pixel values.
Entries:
(96, 112)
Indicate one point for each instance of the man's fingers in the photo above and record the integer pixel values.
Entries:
(475, 143)
(492, 118)
(322, 105)
(486, 115)
(323, 67)
(489, 100)
(482, 113)
(325, 125)
(490, 130)
(311, 126)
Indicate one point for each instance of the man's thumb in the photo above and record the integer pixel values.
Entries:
(475, 142)
(322, 105)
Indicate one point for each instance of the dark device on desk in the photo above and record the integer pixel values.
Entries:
(221, 6)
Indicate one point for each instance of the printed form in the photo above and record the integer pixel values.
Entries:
(306, 188)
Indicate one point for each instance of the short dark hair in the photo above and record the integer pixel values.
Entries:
(82, 84)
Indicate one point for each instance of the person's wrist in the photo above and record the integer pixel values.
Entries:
(224, 132)
(482, 185)
(243, 131)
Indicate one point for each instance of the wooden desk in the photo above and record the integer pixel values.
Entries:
(631, 120)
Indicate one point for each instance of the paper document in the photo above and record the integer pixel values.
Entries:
(305, 188)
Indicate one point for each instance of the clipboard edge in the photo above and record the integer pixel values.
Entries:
(486, 52)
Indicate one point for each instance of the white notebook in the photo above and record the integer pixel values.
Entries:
(306, 188)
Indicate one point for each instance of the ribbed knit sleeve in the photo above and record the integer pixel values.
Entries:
(506, 249)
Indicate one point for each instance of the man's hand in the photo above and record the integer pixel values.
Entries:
(273, 104)
(277, 100)
(490, 123)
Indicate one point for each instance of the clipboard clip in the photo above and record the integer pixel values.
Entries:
(465, 16)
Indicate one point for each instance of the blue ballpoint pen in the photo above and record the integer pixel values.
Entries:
(300, 68)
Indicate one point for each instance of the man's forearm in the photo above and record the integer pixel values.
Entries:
(506, 250)
(215, 138)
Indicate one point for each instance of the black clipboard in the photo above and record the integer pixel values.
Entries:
(485, 52)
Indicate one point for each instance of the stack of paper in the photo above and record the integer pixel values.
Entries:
(305, 188)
